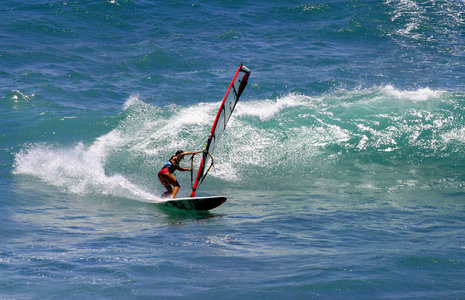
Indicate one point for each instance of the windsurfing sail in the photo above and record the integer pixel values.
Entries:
(227, 106)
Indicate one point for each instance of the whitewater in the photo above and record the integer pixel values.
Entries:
(381, 126)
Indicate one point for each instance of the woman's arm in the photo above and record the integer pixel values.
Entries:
(190, 153)
(184, 169)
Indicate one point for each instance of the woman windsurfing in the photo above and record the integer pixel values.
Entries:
(166, 174)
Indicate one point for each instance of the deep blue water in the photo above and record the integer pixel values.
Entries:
(343, 163)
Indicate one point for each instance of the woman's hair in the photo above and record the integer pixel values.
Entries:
(178, 152)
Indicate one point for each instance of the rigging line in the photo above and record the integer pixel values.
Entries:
(208, 170)
(192, 170)
(225, 120)
(234, 88)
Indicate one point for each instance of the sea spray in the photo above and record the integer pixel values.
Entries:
(346, 136)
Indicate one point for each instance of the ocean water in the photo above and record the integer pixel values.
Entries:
(343, 163)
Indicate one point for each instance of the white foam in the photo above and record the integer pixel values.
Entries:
(79, 169)
(421, 94)
(16, 96)
(132, 100)
(267, 109)
(457, 134)
(411, 13)
(146, 129)
(175, 131)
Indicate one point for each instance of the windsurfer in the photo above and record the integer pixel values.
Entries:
(166, 174)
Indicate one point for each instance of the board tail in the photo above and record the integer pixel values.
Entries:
(237, 86)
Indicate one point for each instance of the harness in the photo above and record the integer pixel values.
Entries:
(170, 166)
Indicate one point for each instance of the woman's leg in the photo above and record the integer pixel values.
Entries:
(164, 180)
(175, 190)
(176, 186)
(168, 180)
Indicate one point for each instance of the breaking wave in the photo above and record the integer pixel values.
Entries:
(378, 138)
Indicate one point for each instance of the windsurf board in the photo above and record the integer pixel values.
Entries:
(194, 203)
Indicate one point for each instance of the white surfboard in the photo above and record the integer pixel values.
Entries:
(194, 203)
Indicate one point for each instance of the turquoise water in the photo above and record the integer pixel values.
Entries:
(343, 162)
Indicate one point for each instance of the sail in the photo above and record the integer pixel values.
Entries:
(227, 106)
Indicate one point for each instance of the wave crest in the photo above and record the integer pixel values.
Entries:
(294, 136)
